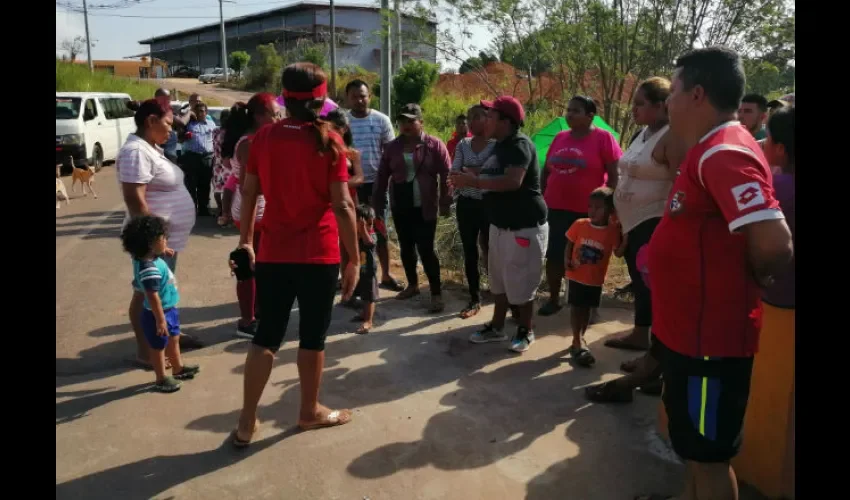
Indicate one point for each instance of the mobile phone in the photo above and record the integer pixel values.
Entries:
(243, 264)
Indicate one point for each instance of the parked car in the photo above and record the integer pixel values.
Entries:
(91, 127)
(216, 75)
(185, 72)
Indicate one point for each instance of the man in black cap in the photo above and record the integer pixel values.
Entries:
(519, 233)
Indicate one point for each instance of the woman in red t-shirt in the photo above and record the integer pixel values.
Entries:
(299, 164)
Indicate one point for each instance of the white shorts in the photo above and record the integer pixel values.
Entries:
(515, 262)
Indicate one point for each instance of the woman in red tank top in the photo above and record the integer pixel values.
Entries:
(300, 166)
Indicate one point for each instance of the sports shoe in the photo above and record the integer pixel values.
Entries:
(488, 334)
(168, 384)
(522, 340)
(246, 332)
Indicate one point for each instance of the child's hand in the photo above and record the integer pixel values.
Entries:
(161, 328)
(169, 252)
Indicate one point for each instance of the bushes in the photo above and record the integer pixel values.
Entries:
(264, 71)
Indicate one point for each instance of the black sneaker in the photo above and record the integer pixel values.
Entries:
(246, 332)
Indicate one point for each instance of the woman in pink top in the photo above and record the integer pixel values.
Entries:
(244, 121)
(577, 163)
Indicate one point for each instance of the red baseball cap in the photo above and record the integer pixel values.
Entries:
(508, 106)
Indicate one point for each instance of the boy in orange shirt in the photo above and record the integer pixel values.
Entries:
(590, 243)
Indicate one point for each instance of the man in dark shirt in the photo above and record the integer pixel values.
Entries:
(510, 179)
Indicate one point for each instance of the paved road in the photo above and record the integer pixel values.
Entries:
(435, 416)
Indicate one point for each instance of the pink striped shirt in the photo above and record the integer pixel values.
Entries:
(167, 197)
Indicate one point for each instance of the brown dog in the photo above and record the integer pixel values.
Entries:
(84, 176)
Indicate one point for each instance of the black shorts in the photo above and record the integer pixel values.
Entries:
(705, 402)
(367, 287)
(364, 197)
(278, 285)
(581, 295)
(560, 222)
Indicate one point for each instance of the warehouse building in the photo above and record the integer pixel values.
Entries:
(357, 27)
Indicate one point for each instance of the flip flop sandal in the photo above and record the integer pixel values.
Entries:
(582, 356)
(237, 442)
(608, 393)
(333, 419)
(392, 285)
(470, 310)
(618, 343)
(362, 331)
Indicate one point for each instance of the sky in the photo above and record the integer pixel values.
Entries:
(117, 37)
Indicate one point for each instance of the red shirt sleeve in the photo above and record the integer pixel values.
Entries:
(338, 168)
(740, 183)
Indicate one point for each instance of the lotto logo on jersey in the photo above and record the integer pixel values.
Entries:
(748, 195)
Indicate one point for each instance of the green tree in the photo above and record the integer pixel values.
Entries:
(264, 73)
(239, 60)
(413, 82)
(477, 62)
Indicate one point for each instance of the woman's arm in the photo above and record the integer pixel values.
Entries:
(248, 209)
(673, 152)
(356, 158)
(544, 177)
(134, 198)
(343, 208)
(621, 248)
(241, 155)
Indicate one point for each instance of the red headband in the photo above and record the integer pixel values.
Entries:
(319, 91)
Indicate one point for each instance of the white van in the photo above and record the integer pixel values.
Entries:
(91, 127)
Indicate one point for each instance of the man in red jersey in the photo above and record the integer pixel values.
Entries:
(720, 240)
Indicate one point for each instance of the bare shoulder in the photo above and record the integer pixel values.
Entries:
(670, 151)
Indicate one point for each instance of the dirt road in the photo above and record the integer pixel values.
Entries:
(226, 97)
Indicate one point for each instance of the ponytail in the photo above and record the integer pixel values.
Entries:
(238, 123)
(304, 87)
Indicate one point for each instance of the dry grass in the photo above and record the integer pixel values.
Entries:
(450, 252)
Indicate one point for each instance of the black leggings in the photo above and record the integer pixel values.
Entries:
(198, 173)
(278, 285)
(472, 223)
(638, 237)
(415, 233)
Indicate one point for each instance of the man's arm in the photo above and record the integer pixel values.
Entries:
(769, 248)
(740, 186)
(444, 164)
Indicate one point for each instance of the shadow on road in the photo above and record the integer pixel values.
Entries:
(151, 476)
(85, 401)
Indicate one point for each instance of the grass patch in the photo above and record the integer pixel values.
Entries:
(72, 77)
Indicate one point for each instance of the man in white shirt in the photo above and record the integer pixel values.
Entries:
(371, 130)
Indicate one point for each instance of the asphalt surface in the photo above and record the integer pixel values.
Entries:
(435, 416)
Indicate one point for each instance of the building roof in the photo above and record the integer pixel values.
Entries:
(299, 5)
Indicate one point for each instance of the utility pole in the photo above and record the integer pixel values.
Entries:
(333, 50)
(398, 47)
(88, 38)
(386, 63)
(223, 38)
